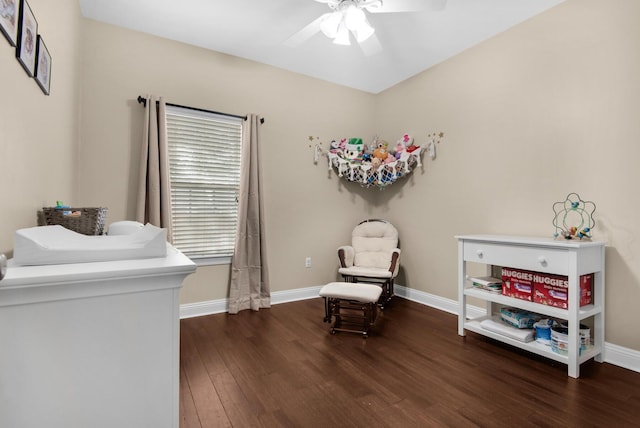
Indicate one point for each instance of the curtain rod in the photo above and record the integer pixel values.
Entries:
(143, 101)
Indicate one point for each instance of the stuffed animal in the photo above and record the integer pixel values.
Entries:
(381, 152)
(352, 151)
(399, 150)
(412, 148)
(335, 147)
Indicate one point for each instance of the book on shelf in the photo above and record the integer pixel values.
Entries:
(488, 283)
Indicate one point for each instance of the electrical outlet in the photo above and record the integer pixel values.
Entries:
(307, 262)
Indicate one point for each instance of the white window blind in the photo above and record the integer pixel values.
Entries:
(204, 161)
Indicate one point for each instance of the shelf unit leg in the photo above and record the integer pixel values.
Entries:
(598, 319)
(462, 299)
(573, 300)
(573, 345)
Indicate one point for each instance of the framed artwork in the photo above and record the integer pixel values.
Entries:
(9, 12)
(26, 46)
(43, 66)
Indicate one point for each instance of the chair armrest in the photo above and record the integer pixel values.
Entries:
(346, 255)
(395, 262)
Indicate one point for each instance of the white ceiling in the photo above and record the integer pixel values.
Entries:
(257, 30)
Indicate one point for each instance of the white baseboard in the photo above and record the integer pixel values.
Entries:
(622, 357)
(612, 354)
(294, 295)
(434, 301)
(190, 310)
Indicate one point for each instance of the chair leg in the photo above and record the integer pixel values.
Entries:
(387, 293)
(327, 310)
(351, 315)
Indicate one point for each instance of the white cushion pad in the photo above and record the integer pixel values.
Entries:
(124, 227)
(365, 272)
(374, 242)
(48, 245)
(365, 293)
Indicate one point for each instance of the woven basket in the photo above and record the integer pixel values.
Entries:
(88, 221)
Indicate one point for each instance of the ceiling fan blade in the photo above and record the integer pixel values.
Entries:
(390, 6)
(306, 33)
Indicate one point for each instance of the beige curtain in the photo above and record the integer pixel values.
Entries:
(154, 190)
(249, 287)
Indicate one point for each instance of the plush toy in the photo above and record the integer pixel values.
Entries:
(335, 147)
(356, 141)
(407, 143)
(381, 152)
(412, 148)
(352, 151)
(399, 150)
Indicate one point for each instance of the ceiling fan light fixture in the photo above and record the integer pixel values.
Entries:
(364, 32)
(354, 17)
(343, 35)
(331, 24)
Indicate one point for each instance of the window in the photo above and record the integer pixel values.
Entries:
(204, 165)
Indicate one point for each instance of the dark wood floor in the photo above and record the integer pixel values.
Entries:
(281, 368)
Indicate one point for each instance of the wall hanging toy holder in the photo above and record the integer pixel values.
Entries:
(377, 165)
(573, 218)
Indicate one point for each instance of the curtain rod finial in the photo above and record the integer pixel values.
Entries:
(142, 101)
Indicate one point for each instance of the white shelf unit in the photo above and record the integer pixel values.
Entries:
(562, 257)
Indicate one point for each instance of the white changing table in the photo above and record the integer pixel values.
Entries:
(92, 344)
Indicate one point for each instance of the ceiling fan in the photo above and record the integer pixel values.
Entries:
(348, 18)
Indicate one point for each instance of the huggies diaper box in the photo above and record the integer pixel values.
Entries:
(544, 288)
(553, 290)
(517, 283)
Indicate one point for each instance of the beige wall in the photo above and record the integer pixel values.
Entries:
(38, 133)
(547, 108)
(544, 109)
(306, 214)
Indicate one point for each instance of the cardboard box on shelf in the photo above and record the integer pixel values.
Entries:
(553, 290)
(517, 283)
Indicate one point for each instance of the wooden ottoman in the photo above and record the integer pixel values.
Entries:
(352, 305)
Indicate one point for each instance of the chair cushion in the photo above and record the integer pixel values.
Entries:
(366, 272)
(373, 243)
(365, 293)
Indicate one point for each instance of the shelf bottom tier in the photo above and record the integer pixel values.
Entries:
(534, 347)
